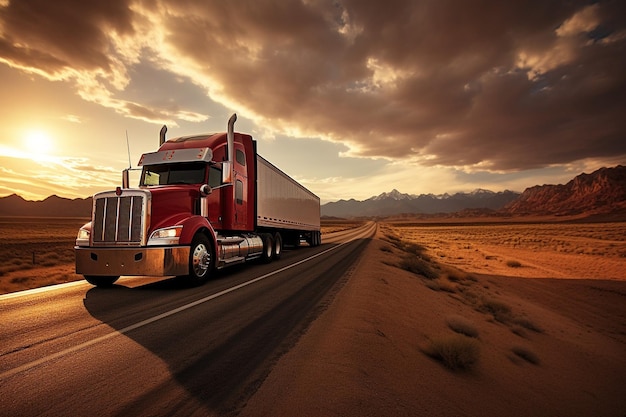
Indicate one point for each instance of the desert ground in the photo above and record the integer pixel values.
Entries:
(485, 319)
(457, 320)
(35, 252)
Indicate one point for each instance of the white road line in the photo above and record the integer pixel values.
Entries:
(42, 289)
(143, 323)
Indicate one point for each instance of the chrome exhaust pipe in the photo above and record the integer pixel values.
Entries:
(229, 166)
(162, 135)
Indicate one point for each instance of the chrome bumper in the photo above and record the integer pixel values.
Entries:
(154, 261)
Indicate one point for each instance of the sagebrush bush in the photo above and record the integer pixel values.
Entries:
(499, 310)
(440, 284)
(527, 324)
(526, 354)
(455, 352)
(462, 325)
(419, 266)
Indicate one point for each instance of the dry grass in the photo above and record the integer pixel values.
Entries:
(458, 353)
(526, 354)
(459, 284)
(603, 239)
(462, 326)
(35, 252)
(500, 311)
(533, 250)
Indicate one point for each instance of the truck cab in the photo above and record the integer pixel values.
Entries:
(195, 210)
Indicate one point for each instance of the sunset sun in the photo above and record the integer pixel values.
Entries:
(38, 142)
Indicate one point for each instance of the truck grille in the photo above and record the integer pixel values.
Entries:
(119, 220)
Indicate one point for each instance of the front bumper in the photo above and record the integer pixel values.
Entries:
(153, 261)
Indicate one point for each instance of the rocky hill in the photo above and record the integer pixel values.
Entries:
(53, 206)
(395, 202)
(601, 192)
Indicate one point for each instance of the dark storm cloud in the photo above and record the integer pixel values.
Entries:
(489, 84)
(492, 84)
(71, 32)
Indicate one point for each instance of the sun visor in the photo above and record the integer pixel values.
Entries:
(176, 155)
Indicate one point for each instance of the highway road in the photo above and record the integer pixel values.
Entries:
(154, 347)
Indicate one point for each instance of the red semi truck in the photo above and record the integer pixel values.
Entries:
(203, 203)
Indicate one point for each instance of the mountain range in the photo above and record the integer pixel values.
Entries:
(395, 202)
(599, 193)
(53, 206)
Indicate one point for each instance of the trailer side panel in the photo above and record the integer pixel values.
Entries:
(282, 202)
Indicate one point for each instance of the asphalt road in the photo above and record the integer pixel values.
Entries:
(154, 347)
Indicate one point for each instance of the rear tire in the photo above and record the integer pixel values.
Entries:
(201, 260)
(101, 281)
(268, 248)
(278, 246)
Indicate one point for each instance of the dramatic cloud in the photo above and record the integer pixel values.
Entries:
(487, 85)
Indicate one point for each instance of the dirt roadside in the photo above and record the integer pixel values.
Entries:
(561, 352)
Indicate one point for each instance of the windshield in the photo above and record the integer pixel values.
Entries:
(182, 173)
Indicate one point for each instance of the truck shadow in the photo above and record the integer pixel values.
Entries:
(219, 351)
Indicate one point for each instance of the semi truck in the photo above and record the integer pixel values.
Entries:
(203, 203)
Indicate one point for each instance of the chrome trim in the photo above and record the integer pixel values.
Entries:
(121, 219)
(161, 261)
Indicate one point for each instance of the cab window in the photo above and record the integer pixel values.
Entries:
(240, 157)
(215, 177)
(239, 192)
(179, 173)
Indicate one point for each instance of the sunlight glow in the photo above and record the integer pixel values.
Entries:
(38, 142)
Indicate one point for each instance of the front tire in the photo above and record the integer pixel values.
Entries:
(101, 281)
(201, 260)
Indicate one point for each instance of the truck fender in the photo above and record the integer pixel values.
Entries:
(192, 225)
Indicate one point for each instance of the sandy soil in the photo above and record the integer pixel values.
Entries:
(559, 351)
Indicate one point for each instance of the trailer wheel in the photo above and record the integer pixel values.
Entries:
(278, 245)
(268, 248)
(201, 260)
(101, 281)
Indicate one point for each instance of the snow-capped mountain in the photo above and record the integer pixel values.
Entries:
(395, 202)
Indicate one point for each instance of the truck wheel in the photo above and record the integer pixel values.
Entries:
(201, 261)
(268, 248)
(101, 281)
(278, 245)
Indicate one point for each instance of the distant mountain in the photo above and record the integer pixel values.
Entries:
(395, 202)
(53, 206)
(601, 192)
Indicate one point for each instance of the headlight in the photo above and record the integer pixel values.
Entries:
(166, 236)
(83, 237)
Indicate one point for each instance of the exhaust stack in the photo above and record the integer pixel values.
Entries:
(162, 135)
(229, 166)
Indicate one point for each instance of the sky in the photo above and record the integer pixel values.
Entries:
(352, 98)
